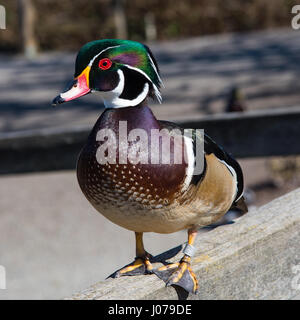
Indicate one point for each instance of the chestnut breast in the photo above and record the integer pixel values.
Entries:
(117, 184)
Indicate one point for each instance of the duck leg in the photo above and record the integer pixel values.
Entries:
(140, 265)
(180, 273)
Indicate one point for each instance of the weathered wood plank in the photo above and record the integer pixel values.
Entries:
(251, 134)
(257, 257)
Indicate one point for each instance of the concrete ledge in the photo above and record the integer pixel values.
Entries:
(257, 257)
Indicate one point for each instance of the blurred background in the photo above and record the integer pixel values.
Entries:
(215, 57)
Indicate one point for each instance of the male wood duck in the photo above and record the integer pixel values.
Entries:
(143, 196)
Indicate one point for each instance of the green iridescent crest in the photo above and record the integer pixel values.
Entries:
(122, 52)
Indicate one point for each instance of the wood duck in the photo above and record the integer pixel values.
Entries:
(143, 196)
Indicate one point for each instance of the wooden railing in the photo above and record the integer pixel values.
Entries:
(257, 257)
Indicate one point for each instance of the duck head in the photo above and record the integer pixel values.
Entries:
(123, 72)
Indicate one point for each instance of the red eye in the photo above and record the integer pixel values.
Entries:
(105, 64)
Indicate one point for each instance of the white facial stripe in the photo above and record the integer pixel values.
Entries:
(110, 96)
(112, 100)
(122, 103)
(190, 162)
(155, 69)
(157, 94)
(138, 70)
(98, 54)
(156, 90)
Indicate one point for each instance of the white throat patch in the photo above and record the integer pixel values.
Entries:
(111, 98)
